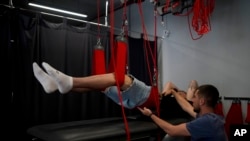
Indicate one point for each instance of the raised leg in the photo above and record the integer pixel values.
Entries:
(48, 84)
(66, 83)
(193, 85)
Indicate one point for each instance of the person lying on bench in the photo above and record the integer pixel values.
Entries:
(134, 92)
(170, 110)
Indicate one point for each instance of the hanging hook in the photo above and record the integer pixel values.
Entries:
(122, 31)
(11, 4)
(166, 31)
(219, 100)
(155, 77)
(238, 100)
(98, 44)
(98, 41)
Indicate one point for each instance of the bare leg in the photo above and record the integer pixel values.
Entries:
(67, 83)
(193, 85)
(80, 90)
(94, 82)
(101, 81)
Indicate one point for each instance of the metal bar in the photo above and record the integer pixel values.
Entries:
(79, 20)
(237, 98)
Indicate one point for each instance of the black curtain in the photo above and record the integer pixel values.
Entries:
(139, 53)
(6, 43)
(66, 45)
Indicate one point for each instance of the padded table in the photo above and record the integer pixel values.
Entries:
(105, 129)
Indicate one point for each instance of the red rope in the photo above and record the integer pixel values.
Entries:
(115, 70)
(201, 10)
(154, 91)
(201, 15)
(190, 31)
(146, 42)
(98, 17)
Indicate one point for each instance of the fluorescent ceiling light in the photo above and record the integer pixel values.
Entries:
(75, 19)
(57, 10)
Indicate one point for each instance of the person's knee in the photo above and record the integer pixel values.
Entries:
(127, 82)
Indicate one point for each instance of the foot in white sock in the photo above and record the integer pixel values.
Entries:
(45, 80)
(63, 81)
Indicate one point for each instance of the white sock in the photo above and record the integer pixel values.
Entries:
(63, 81)
(45, 80)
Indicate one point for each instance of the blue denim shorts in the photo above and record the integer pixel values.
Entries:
(133, 96)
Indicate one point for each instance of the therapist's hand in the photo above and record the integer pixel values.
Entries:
(145, 111)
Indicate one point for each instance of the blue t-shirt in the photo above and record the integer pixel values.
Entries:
(208, 127)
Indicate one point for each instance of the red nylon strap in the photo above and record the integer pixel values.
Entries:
(113, 63)
(153, 100)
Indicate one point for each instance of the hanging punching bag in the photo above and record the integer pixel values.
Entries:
(219, 109)
(99, 66)
(120, 60)
(234, 116)
(247, 120)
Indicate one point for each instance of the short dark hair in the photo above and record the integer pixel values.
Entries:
(210, 93)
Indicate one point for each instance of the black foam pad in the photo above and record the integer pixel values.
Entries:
(96, 129)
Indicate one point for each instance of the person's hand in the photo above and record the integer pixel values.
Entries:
(173, 91)
(145, 111)
(165, 93)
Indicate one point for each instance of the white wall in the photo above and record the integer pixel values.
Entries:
(220, 57)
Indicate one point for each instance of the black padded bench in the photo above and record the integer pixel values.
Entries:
(111, 129)
(107, 129)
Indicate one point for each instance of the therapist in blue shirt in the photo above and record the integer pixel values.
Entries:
(207, 126)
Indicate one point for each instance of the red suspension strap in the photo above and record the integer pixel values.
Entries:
(117, 63)
(153, 100)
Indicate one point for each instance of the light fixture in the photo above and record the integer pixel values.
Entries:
(57, 10)
(74, 19)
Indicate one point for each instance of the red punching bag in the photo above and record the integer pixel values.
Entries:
(247, 120)
(119, 59)
(219, 109)
(234, 116)
(99, 66)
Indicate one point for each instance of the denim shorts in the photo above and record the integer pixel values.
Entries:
(134, 96)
